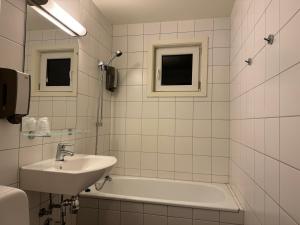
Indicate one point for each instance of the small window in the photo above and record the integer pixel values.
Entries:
(178, 68)
(56, 71)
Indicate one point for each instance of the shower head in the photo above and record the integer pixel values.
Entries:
(116, 54)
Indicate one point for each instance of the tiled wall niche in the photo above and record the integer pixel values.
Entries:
(114, 212)
(184, 138)
(264, 105)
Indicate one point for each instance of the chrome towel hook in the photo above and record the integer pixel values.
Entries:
(269, 39)
(248, 61)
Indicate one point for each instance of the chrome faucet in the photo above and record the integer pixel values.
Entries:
(62, 152)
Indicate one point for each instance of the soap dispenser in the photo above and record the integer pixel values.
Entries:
(14, 95)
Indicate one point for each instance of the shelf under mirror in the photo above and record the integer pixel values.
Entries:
(54, 133)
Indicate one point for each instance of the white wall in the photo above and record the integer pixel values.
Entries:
(11, 56)
(264, 105)
(184, 138)
(15, 149)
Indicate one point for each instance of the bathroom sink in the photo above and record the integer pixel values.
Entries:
(69, 177)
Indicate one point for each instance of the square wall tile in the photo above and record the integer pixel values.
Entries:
(120, 30)
(184, 110)
(107, 217)
(289, 190)
(272, 137)
(166, 162)
(289, 141)
(271, 212)
(288, 49)
(154, 219)
(202, 128)
(183, 163)
(151, 28)
(149, 126)
(220, 128)
(202, 110)
(186, 26)
(133, 142)
(220, 165)
(155, 209)
(272, 178)
(181, 212)
(132, 160)
(204, 24)
(149, 161)
(184, 128)
(289, 92)
(166, 144)
(9, 165)
(169, 27)
(221, 23)
(166, 127)
(167, 109)
(9, 135)
(202, 146)
(221, 38)
(135, 29)
(220, 147)
(149, 143)
(183, 145)
(202, 164)
(135, 43)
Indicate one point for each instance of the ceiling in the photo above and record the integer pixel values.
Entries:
(138, 11)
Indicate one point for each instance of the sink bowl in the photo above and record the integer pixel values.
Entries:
(69, 177)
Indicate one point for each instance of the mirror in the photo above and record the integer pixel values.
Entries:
(51, 58)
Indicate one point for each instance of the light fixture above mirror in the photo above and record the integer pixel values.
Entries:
(58, 16)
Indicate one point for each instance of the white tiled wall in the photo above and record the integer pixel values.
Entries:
(175, 138)
(17, 150)
(11, 56)
(264, 108)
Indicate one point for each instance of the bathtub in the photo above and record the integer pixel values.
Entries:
(167, 192)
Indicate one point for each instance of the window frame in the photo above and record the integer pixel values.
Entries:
(199, 85)
(35, 68)
(195, 51)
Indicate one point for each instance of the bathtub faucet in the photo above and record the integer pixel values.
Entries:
(99, 186)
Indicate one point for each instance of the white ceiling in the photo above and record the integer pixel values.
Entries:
(138, 11)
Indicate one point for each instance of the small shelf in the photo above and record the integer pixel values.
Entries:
(55, 133)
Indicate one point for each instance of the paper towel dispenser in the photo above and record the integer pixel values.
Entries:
(14, 95)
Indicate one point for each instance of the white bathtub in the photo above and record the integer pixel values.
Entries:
(167, 192)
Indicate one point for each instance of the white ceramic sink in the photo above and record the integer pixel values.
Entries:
(68, 177)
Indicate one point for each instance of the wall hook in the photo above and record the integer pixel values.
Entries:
(248, 61)
(269, 39)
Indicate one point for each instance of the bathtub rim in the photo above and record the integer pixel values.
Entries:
(196, 205)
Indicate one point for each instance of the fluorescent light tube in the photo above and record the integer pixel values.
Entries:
(59, 17)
